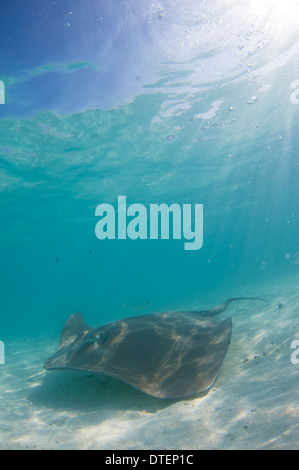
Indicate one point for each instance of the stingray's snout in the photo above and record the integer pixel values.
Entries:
(49, 363)
(52, 362)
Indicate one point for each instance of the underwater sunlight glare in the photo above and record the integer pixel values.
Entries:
(278, 14)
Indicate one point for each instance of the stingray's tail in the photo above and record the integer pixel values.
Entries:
(220, 308)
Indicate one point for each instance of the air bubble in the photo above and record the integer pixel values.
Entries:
(252, 100)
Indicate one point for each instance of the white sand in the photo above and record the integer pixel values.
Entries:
(254, 403)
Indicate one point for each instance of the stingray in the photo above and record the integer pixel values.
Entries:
(170, 355)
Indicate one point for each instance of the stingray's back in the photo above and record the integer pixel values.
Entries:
(166, 355)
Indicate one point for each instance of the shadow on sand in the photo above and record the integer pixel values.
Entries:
(80, 391)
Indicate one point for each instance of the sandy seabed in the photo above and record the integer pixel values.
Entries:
(254, 403)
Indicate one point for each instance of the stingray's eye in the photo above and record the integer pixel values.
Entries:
(93, 338)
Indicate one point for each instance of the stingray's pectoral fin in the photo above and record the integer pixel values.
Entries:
(74, 325)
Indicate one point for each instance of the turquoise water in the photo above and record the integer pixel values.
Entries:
(56, 170)
(161, 101)
(197, 128)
